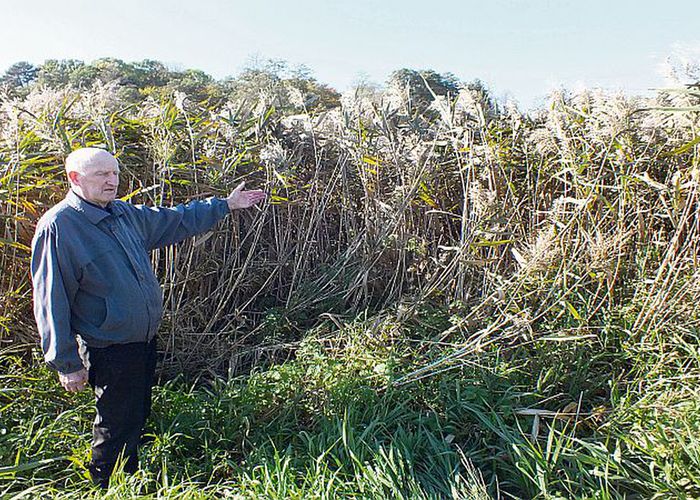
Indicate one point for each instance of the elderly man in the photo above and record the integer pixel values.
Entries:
(93, 278)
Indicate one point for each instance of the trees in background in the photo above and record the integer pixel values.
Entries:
(422, 87)
(291, 88)
(425, 84)
(287, 88)
(20, 74)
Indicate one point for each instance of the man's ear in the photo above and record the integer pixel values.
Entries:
(73, 176)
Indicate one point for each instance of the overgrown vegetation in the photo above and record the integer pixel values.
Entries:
(445, 297)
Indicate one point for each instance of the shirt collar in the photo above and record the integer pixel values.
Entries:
(93, 212)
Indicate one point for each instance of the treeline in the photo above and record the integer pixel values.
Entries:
(294, 88)
(141, 79)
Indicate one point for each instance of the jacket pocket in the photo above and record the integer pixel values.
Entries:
(119, 315)
(91, 309)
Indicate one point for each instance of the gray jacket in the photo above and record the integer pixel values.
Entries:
(92, 272)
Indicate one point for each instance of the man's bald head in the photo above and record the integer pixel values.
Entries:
(93, 174)
(83, 159)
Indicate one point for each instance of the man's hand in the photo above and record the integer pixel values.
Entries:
(74, 382)
(244, 199)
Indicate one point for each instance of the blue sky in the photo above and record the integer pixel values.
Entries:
(519, 48)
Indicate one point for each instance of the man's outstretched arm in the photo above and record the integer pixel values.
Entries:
(166, 226)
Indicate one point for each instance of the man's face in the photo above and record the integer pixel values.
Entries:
(99, 181)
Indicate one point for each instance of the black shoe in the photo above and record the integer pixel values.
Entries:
(100, 475)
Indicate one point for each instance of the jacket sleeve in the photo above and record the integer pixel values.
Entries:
(167, 226)
(53, 285)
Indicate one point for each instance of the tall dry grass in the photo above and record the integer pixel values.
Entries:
(531, 225)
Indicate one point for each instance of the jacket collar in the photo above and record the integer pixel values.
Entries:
(94, 213)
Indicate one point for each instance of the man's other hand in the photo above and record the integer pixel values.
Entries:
(244, 199)
(74, 382)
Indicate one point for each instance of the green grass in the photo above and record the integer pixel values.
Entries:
(329, 423)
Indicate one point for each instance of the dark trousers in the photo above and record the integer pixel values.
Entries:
(122, 378)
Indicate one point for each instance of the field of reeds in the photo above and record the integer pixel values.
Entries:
(442, 299)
